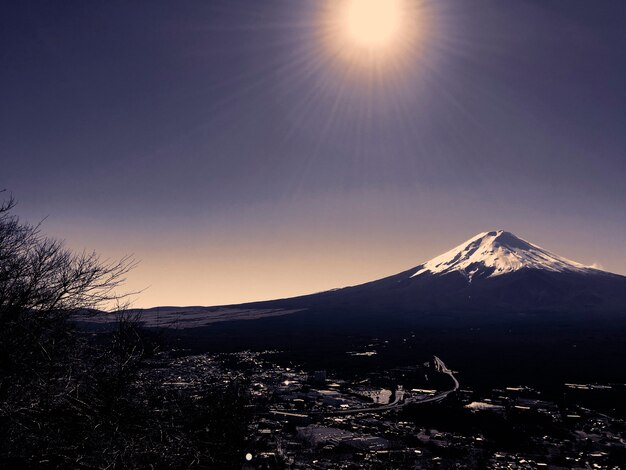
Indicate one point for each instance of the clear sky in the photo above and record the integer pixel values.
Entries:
(257, 149)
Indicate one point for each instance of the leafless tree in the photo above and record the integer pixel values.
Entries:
(38, 274)
(72, 399)
(42, 283)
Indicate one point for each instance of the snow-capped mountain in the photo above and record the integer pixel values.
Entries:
(491, 254)
(494, 303)
(491, 272)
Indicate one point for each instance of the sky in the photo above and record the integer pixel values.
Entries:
(247, 150)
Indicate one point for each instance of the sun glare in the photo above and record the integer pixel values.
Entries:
(373, 24)
(377, 34)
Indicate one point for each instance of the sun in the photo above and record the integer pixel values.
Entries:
(380, 35)
(373, 24)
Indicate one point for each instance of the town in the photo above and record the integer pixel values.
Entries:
(407, 417)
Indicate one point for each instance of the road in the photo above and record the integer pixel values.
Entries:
(399, 400)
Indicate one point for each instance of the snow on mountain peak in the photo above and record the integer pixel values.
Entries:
(491, 254)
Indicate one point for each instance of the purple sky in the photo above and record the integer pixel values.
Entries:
(224, 145)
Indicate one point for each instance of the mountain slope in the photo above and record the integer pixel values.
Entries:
(491, 272)
(498, 307)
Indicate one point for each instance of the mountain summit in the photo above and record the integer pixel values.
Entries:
(496, 253)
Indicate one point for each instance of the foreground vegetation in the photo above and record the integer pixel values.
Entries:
(74, 400)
